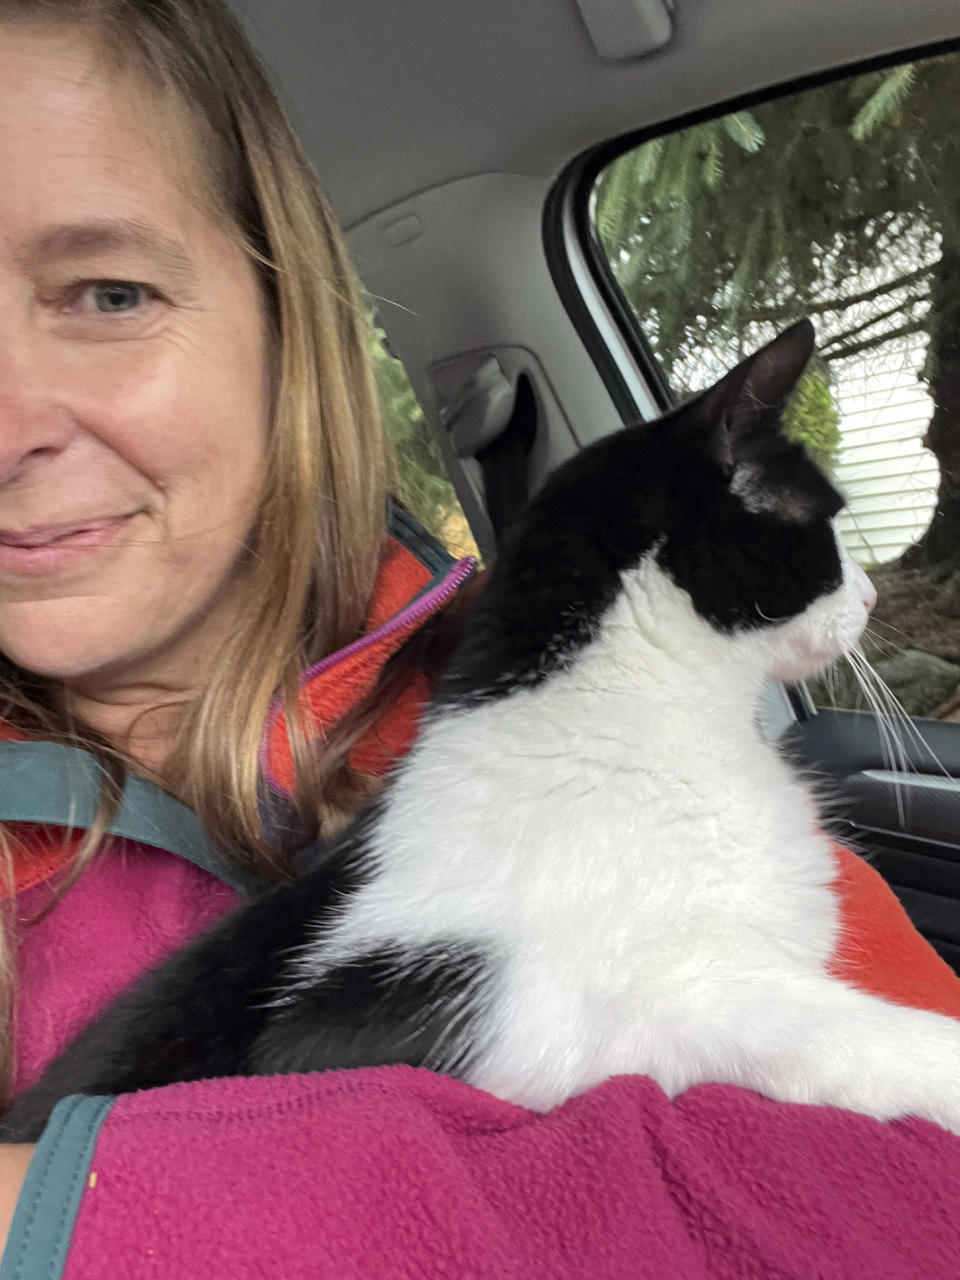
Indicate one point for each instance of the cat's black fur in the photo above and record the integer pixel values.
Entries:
(204, 1012)
(665, 482)
(665, 487)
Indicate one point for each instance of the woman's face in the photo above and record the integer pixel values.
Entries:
(133, 379)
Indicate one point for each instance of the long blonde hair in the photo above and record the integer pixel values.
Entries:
(318, 534)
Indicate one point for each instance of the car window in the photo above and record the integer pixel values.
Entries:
(423, 485)
(842, 203)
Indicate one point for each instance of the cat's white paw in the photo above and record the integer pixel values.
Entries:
(864, 1054)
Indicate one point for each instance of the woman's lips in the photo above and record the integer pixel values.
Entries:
(49, 549)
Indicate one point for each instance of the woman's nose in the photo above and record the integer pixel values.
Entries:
(33, 423)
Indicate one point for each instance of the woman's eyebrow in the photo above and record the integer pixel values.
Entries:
(99, 235)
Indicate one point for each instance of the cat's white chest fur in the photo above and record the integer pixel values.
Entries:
(619, 898)
(647, 876)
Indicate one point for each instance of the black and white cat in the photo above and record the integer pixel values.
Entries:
(591, 862)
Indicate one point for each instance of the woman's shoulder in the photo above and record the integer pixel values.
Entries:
(132, 906)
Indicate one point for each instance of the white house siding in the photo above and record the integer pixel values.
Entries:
(889, 478)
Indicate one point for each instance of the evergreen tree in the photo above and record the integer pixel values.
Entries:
(423, 485)
(841, 203)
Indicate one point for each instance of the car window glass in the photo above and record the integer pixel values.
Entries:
(423, 485)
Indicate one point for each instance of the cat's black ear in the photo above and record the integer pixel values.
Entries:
(751, 398)
(739, 421)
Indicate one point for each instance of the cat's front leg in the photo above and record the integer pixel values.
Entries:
(817, 1040)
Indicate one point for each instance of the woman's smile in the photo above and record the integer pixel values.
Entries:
(44, 550)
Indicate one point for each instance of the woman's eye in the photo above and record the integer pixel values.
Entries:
(108, 297)
(103, 309)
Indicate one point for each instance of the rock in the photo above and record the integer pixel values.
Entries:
(842, 689)
(948, 597)
(921, 681)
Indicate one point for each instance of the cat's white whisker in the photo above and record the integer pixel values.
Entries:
(880, 622)
(901, 716)
(766, 617)
(897, 730)
(891, 744)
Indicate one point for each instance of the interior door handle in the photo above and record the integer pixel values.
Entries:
(922, 804)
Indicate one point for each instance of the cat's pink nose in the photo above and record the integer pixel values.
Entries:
(869, 595)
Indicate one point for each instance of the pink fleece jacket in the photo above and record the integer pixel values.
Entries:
(396, 1174)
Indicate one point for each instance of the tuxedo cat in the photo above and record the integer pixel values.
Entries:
(591, 862)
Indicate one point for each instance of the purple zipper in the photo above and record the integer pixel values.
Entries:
(421, 607)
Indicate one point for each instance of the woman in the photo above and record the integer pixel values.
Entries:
(193, 461)
(193, 517)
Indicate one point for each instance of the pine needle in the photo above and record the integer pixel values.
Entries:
(744, 129)
(883, 102)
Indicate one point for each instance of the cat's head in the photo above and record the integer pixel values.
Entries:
(750, 533)
(714, 501)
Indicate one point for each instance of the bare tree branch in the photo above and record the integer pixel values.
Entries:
(901, 307)
(841, 304)
(854, 348)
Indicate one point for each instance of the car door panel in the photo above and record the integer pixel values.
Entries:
(904, 819)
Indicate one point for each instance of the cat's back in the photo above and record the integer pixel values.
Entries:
(559, 813)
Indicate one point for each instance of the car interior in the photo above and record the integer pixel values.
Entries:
(568, 214)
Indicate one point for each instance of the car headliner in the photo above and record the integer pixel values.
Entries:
(394, 98)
